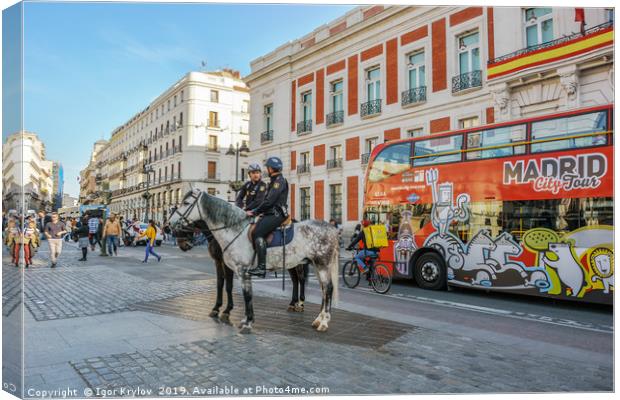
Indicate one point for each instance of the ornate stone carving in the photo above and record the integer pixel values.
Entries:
(501, 97)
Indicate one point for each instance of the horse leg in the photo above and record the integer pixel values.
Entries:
(302, 273)
(295, 278)
(230, 275)
(220, 285)
(246, 324)
(328, 276)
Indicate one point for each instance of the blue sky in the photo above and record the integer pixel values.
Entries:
(89, 67)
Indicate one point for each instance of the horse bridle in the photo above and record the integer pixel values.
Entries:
(184, 215)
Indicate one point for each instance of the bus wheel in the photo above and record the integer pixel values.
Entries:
(430, 272)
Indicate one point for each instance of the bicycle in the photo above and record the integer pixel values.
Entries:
(377, 274)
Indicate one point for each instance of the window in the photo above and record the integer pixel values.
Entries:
(499, 139)
(468, 122)
(414, 133)
(212, 142)
(213, 121)
(469, 53)
(168, 106)
(304, 197)
(179, 169)
(157, 113)
(425, 149)
(165, 174)
(174, 123)
(555, 129)
(416, 70)
(390, 161)
(155, 155)
(159, 179)
(538, 26)
(335, 152)
(175, 100)
(373, 84)
(370, 144)
(304, 158)
(180, 143)
(268, 115)
(245, 106)
(306, 106)
(181, 96)
(215, 96)
(609, 14)
(335, 202)
(171, 176)
(211, 170)
(336, 96)
(181, 119)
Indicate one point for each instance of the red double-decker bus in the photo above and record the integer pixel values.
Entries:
(524, 206)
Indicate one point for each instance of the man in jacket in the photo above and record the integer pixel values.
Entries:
(252, 192)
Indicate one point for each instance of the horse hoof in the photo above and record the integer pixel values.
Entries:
(225, 317)
(291, 308)
(214, 313)
(299, 308)
(322, 328)
(245, 329)
(316, 323)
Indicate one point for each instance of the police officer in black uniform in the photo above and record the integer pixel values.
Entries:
(252, 192)
(274, 211)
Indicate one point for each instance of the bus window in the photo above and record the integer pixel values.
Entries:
(390, 161)
(425, 150)
(498, 140)
(557, 128)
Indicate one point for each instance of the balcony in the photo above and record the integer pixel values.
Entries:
(468, 80)
(335, 118)
(365, 157)
(213, 177)
(335, 163)
(370, 108)
(266, 136)
(413, 96)
(213, 149)
(213, 124)
(303, 168)
(304, 127)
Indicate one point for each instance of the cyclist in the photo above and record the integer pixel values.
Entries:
(365, 252)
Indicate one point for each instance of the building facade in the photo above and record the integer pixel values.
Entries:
(188, 137)
(91, 191)
(379, 73)
(58, 182)
(26, 174)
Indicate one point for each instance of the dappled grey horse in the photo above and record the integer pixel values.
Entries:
(314, 242)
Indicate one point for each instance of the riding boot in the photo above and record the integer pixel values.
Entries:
(261, 254)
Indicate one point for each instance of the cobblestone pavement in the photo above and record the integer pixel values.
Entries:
(76, 289)
(415, 361)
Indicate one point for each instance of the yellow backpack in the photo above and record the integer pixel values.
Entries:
(376, 236)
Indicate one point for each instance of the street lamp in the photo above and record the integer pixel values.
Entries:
(147, 170)
(235, 151)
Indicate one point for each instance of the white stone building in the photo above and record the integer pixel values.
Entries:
(26, 174)
(181, 139)
(378, 73)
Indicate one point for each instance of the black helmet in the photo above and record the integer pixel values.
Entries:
(275, 163)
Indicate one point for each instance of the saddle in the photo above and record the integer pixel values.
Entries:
(275, 238)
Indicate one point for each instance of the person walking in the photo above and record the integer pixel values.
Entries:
(83, 241)
(41, 222)
(12, 238)
(112, 231)
(30, 241)
(54, 231)
(93, 226)
(150, 234)
(101, 238)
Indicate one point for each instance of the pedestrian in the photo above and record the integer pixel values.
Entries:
(83, 240)
(150, 234)
(93, 226)
(30, 241)
(112, 231)
(101, 237)
(12, 240)
(41, 222)
(54, 231)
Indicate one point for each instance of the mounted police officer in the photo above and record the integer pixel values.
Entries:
(274, 212)
(252, 192)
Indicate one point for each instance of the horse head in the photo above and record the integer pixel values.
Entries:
(183, 217)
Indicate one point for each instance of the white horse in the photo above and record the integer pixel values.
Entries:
(314, 242)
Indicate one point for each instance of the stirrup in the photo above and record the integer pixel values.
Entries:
(256, 271)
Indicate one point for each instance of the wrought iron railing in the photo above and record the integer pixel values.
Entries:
(413, 95)
(365, 158)
(335, 163)
(303, 168)
(266, 136)
(335, 118)
(304, 127)
(371, 107)
(551, 43)
(467, 80)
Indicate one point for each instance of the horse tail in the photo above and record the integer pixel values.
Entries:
(334, 266)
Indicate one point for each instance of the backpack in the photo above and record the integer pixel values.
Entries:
(376, 236)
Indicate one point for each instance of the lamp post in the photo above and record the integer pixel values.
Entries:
(235, 151)
(147, 170)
